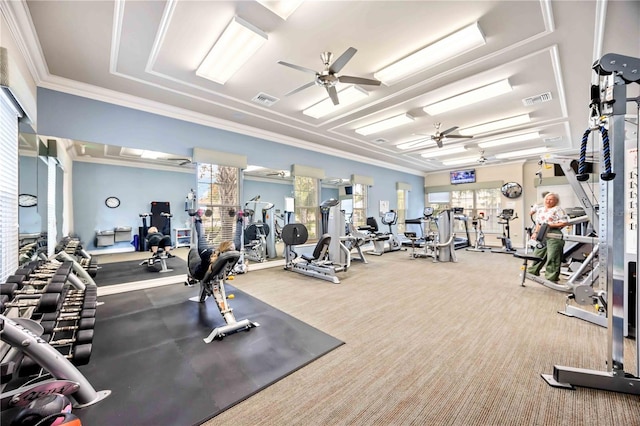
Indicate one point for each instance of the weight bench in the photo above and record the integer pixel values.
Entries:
(212, 283)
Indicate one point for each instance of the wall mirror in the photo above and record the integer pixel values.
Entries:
(511, 190)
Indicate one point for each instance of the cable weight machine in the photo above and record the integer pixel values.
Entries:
(618, 233)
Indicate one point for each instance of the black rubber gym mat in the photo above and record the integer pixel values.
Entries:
(148, 350)
(130, 271)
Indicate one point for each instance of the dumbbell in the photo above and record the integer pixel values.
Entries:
(82, 324)
(68, 315)
(46, 302)
(77, 354)
(80, 337)
(12, 289)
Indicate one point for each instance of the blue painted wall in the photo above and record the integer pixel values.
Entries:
(74, 117)
(136, 189)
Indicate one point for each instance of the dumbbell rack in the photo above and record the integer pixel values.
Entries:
(46, 311)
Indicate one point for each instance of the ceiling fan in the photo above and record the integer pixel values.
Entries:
(327, 78)
(181, 161)
(280, 173)
(439, 136)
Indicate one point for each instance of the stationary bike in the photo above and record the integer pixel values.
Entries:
(476, 222)
(506, 215)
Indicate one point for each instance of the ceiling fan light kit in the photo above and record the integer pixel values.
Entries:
(468, 38)
(469, 98)
(348, 96)
(511, 139)
(386, 124)
(496, 125)
(239, 41)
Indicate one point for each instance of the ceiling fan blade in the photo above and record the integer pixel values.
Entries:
(358, 80)
(301, 88)
(438, 141)
(458, 137)
(333, 94)
(339, 63)
(444, 132)
(297, 67)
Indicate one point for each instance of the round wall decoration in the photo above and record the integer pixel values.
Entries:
(112, 202)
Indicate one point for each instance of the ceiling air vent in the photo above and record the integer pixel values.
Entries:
(544, 97)
(264, 99)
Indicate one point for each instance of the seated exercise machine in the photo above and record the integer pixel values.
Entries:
(316, 265)
(212, 283)
(507, 216)
(384, 242)
(476, 222)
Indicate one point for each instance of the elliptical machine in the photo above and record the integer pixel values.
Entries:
(506, 215)
(476, 222)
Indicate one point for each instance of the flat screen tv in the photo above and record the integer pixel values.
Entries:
(463, 176)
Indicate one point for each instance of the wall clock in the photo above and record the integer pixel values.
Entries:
(27, 200)
(112, 202)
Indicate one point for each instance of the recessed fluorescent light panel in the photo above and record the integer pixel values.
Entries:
(449, 47)
(347, 97)
(239, 41)
(418, 143)
(282, 8)
(383, 125)
(495, 125)
(522, 153)
(151, 155)
(458, 161)
(511, 139)
(440, 152)
(469, 98)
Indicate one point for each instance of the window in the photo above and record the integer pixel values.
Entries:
(487, 201)
(360, 192)
(218, 196)
(8, 188)
(305, 190)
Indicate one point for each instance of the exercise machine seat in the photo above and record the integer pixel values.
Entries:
(372, 223)
(320, 249)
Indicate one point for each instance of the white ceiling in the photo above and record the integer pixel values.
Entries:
(144, 54)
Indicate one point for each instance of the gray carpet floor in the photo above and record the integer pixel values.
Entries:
(433, 344)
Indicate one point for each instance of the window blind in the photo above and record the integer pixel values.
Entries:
(8, 187)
